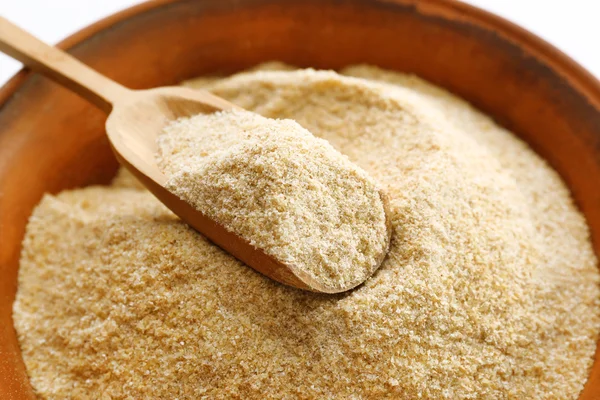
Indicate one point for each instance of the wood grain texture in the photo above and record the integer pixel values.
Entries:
(51, 140)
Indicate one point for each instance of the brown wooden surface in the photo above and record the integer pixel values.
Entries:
(51, 139)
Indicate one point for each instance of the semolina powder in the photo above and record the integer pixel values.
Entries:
(489, 291)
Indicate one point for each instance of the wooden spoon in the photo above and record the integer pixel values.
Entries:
(136, 118)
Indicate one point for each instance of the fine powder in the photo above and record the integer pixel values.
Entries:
(285, 191)
(489, 291)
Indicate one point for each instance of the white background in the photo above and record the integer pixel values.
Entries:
(573, 26)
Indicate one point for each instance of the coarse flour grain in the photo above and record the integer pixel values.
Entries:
(489, 291)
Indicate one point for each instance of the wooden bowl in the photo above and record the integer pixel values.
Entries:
(51, 139)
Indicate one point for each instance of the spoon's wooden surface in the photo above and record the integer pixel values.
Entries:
(136, 118)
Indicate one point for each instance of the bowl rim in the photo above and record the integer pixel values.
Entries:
(579, 77)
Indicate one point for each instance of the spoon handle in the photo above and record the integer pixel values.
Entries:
(59, 66)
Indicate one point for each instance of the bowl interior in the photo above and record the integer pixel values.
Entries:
(50, 139)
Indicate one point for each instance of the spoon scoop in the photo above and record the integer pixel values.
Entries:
(136, 119)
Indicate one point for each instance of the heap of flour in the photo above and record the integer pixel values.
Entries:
(489, 291)
(283, 190)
